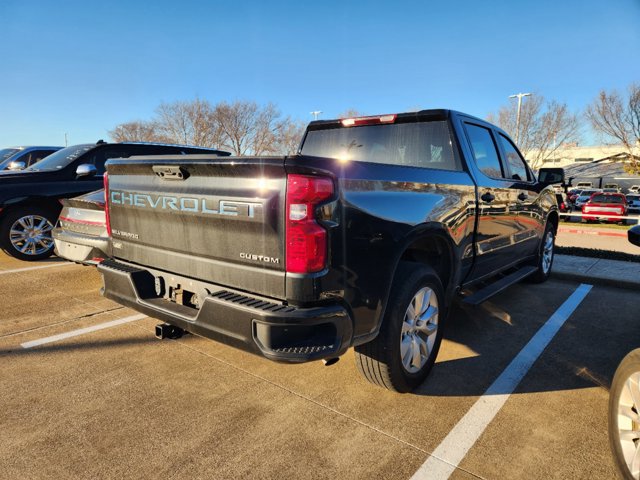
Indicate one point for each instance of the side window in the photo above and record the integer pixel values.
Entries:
(158, 150)
(99, 157)
(484, 150)
(38, 155)
(516, 163)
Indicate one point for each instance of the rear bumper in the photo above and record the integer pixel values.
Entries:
(273, 330)
(79, 247)
(603, 217)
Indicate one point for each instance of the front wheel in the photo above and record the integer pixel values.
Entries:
(624, 416)
(25, 233)
(403, 353)
(545, 256)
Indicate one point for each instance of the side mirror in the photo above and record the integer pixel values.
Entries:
(86, 170)
(16, 166)
(634, 235)
(551, 176)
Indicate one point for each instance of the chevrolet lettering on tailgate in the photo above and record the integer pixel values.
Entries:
(186, 204)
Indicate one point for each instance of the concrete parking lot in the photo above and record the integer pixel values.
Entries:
(117, 403)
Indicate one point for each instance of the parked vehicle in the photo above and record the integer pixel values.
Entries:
(362, 239)
(563, 205)
(584, 185)
(81, 233)
(19, 158)
(584, 197)
(605, 207)
(633, 202)
(611, 187)
(29, 199)
(611, 190)
(624, 405)
(573, 195)
(634, 189)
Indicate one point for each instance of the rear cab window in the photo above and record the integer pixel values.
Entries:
(424, 144)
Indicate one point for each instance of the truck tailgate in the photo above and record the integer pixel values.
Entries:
(217, 220)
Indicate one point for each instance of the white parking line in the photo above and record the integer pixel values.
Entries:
(444, 460)
(26, 269)
(81, 331)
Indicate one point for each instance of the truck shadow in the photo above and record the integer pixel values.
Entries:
(74, 346)
(480, 342)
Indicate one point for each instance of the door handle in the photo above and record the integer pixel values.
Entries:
(488, 197)
(523, 196)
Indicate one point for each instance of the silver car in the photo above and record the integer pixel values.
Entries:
(81, 234)
(584, 197)
(633, 199)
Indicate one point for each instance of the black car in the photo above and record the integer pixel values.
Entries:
(30, 198)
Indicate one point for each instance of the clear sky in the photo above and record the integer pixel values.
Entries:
(82, 67)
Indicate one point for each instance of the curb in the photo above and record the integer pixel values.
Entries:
(592, 232)
(595, 280)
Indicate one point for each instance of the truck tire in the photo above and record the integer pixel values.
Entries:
(25, 233)
(624, 416)
(403, 353)
(545, 256)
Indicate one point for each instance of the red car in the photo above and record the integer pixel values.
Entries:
(605, 206)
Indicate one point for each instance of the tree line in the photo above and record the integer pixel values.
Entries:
(247, 128)
(241, 127)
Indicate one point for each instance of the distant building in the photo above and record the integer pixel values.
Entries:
(599, 165)
(572, 154)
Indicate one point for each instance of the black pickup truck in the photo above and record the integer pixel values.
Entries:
(362, 239)
(30, 198)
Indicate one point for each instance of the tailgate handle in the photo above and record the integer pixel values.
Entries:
(170, 172)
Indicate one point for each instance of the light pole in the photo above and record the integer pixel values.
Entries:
(315, 114)
(519, 97)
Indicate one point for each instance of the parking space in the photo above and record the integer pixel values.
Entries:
(116, 402)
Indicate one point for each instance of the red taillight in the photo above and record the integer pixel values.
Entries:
(354, 122)
(81, 221)
(106, 202)
(306, 249)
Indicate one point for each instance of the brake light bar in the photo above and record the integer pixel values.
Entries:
(375, 120)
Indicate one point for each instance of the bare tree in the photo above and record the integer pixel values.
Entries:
(243, 127)
(191, 123)
(350, 113)
(249, 129)
(544, 127)
(618, 118)
(137, 131)
(290, 136)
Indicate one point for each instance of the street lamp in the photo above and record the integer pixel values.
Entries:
(519, 97)
(315, 114)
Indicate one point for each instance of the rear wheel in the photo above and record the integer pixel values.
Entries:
(403, 353)
(25, 233)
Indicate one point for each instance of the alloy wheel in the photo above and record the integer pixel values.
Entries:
(629, 423)
(31, 235)
(547, 252)
(419, 329)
